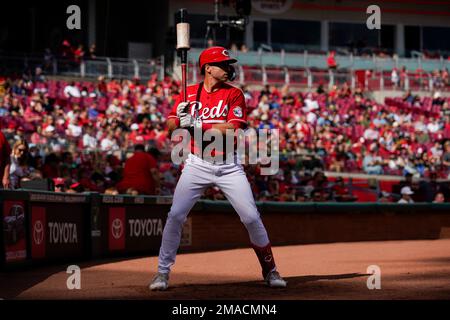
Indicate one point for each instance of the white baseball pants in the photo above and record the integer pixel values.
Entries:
(196, 176)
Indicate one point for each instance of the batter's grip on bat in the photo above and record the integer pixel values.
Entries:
(186, 109)
(265, 258)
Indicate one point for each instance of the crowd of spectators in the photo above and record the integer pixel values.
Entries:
(439, 78)
(80, 134)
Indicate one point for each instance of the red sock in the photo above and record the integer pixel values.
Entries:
(265, 258)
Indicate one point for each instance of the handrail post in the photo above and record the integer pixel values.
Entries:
(286, 76)
(110, 69)
(264, 75)
(305, 58)
(82, 69)
(331, 79)
(136, 68)
(241, 75)
(162, 69)
(260, 55)
(310, 80)
(352, 80)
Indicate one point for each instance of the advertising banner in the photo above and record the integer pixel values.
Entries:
(57, 231)
(132, 228)
(116, 229)
(38, 236)
(14, 230)
(144, 229)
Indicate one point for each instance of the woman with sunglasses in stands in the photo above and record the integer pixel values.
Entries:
(19, 168)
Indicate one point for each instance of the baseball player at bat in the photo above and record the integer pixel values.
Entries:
(213, 104)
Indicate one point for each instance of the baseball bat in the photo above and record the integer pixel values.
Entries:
(182, 47)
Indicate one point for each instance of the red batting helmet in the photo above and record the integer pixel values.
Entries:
(214, 55)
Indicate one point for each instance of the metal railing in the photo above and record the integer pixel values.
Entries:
(310, 79)
(309, 70)
(92, 68)
(308, 60)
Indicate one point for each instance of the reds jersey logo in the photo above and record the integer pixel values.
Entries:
(214, 113)
(224, 105)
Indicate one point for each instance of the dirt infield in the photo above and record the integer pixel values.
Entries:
(409, 270)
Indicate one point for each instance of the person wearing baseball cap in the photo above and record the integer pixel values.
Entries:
(406, 195)
(213, 104)
(60, 184)
(217, 56)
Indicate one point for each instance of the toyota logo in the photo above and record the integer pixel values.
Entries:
(38, 232)
(117, 228)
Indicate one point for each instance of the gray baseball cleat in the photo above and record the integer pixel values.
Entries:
(274, 280)
(160, 282)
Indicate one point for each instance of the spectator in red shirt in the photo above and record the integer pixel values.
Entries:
(101, 87)
(79, 53)
(113, 86)
(5, 161)
(66, 51)
(342, 192)
(140, 173)
(331, 61)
